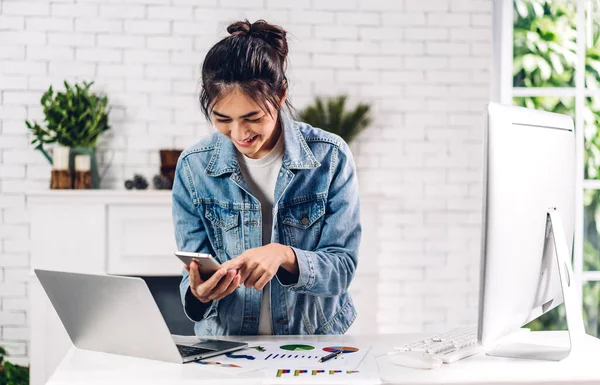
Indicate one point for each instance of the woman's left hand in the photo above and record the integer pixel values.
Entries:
(257, 266)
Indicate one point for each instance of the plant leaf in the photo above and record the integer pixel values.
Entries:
(331, 115)
(71, 116)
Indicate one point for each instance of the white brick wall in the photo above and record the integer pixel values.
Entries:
(423, 64)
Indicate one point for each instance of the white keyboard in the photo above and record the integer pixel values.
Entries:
(449, 347)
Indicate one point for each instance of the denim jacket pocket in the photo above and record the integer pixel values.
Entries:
(341, 319)
(302, 223)
(224, 231)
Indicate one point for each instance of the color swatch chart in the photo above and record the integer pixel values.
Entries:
(367, 374)
(314, 372)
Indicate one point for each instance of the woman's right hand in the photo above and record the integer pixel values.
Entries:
(219, 285)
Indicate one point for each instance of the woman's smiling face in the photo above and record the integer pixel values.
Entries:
(252, 130)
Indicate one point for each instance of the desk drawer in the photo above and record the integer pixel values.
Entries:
(141, 240)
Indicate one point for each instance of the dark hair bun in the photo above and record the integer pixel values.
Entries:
(272, 34)
(239, 28)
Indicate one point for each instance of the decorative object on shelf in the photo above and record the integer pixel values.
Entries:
(138, 182)
(330, 116)
(168, 163)
(161, 182)
(83, 172)
(94, 171)
(11, 374)
(74, 118)
(60, 178)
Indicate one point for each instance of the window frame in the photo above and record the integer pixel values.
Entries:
(503, 92)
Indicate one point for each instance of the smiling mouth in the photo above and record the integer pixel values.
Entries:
(247, 142)
(249, 139)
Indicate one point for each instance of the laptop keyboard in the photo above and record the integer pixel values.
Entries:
(187, 351)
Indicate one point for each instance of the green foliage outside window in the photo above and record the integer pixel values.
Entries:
(544, 43)
(545, 55)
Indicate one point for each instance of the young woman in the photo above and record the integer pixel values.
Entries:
(274, 200)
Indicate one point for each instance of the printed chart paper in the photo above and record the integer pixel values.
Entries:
(366, 373)
(274, 355)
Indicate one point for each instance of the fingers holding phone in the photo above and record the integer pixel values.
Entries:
(227, 285)
(219, 285)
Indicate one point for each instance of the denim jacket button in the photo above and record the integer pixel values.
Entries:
(304, 221)
(281, 321)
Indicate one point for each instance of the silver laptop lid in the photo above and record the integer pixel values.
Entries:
(110, 314)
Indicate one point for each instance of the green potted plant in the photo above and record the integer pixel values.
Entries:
(74, 118)
(11, 374)
(330, 115)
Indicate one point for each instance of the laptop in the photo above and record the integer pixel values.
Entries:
(118, 315)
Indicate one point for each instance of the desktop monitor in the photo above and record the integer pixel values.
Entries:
(529, 172)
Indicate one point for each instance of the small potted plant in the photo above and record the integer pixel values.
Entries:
(75, 119)
(330, 115)
(11, 374)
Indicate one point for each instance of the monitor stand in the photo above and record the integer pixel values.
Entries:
(573, 311)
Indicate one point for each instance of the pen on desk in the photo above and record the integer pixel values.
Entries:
(330, 356)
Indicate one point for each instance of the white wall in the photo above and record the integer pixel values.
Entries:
(423, 64)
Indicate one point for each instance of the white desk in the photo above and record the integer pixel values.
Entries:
(97, 368)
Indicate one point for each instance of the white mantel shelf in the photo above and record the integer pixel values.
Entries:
(100, 196)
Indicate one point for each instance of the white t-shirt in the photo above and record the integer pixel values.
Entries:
(261, 177)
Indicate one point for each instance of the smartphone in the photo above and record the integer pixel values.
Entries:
(207, 264)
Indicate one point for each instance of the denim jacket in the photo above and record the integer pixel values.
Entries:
(316, 212)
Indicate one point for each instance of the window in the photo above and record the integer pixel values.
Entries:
(550, 50)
